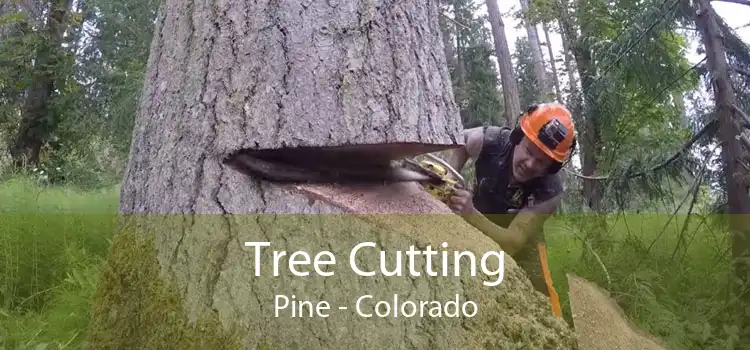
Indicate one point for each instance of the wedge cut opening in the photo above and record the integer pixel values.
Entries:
(346, 164)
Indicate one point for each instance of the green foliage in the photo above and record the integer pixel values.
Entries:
(97, 73)
(53, 242)
(17, 50)
(117, 62)
(638, 66)
(480, 91)
(664, 272)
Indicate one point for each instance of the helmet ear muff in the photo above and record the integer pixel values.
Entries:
(516, 135)
(556, 166)
(532, 109)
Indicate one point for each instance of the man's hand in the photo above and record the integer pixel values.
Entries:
(461, 202)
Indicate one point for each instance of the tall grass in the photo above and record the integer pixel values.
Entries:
(671, 278)
(53, 240)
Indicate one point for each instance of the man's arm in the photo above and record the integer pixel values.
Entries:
(530, 220)
(473, 140)
(527, 222)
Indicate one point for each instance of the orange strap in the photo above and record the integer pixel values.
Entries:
(554, 299)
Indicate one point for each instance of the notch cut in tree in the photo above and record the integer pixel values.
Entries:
(229, 77)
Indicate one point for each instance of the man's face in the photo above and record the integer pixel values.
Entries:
(529, 161)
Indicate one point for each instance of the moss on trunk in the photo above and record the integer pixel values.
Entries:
(135, 307)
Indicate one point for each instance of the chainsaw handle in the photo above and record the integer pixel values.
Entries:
(449, 167)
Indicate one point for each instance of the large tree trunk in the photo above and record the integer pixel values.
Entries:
(738, 200)
(224, 77)
(508, 80)
(540, 72)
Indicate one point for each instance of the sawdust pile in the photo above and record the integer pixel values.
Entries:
(600, 323)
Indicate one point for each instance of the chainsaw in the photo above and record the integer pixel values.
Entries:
(332, 166)
(444, 186)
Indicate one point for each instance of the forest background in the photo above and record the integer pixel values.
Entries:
(634, 72)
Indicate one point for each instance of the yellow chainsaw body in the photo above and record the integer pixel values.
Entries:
(443, 191)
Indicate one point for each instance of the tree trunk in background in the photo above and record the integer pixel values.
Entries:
(460, 64)
(508, 80)
(590, 138)
(448, 45)
(738, 200)
(233, 76)
(573, 101)
(37, 119)
(460, 69)
(540, 71)
(679, 103)
(569, 68)
(553, 64)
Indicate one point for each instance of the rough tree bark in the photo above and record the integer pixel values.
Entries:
(507, 79)
(738, 200)
(226, 76)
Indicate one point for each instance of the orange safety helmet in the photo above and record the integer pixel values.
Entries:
(550, 127)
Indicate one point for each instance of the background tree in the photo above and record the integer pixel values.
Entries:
(731, 123)
(528, 87)
(535, 48)
(502, 54)
(475, 83)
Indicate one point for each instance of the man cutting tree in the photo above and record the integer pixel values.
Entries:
(517, 185)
